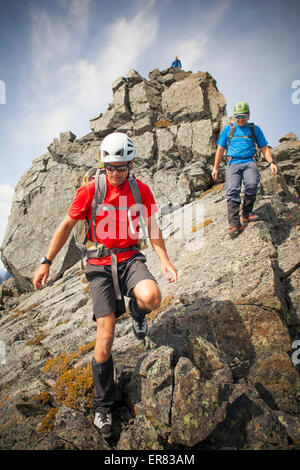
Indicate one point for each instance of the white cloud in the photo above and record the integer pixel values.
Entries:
(65, 87)
(191, 50)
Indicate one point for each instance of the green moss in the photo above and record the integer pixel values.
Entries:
(48, 421)
(62, 322)
(162, 123)
(37, 340)
(190, 421)
(216, 187)
(203, 224)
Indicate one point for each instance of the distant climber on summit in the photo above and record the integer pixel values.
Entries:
(241, 141)
(176, 63)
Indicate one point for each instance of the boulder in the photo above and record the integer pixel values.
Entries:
(288, 137)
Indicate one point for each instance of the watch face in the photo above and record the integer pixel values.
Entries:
(42, 260)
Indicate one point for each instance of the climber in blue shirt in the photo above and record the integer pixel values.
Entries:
(240, 140)
(176, 63)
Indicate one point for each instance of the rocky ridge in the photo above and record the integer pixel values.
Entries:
(174, 119)
(218, 370)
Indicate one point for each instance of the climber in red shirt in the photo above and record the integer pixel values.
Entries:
(118, 231)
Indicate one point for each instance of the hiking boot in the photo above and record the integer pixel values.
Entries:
(103, 422)
(247, 207)
(140, 328)
(234, 231)
(251, 218)
(139, 322)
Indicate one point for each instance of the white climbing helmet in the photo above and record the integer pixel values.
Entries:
(117, 147)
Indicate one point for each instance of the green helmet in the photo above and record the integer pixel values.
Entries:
(241, 108)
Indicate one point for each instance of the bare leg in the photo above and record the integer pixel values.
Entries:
(147, 294)
(105, 337)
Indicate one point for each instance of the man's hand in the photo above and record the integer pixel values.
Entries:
(40, 276)
(218, 158)
(214, 174)
(57, 242)
(169, 271)
(274, 168)
(268, 156)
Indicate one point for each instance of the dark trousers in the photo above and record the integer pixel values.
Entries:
(103, 372)
(104, 385)
(236, 174)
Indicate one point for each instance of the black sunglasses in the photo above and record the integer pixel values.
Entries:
(119, 168)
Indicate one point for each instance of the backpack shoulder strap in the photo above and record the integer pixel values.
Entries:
(231, 133)
(138, 201)
(99, 196)
(135, 189)
(251, 124)
(257, 152)
(100, 189)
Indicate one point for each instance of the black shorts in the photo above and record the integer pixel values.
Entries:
(130, 272)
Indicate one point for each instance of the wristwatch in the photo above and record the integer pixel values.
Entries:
(45, 260)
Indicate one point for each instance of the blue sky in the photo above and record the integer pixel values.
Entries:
(59, 58)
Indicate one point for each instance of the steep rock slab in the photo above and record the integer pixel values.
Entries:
(241, 306)
(184, 101)
(226, 315)
(194, 98)
(287, 154)
(118, 113)
(49, 184)
(151, 385)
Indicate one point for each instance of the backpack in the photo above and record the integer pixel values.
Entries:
(231, 134)
(92, 249)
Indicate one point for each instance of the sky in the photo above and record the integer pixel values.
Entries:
(58, 60)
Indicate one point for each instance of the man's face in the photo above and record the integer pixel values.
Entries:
(242, 119)
(117, 172)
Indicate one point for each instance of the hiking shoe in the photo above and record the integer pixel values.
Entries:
(251, 218)
(103, 422)
(140, 328)
(234, 231)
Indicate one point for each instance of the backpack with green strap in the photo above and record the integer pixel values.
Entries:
(231, 134)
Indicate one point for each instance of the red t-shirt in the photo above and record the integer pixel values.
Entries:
(114, 228)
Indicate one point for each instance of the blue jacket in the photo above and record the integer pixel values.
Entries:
(176, 63)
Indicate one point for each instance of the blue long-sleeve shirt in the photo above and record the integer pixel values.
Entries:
(176, 63)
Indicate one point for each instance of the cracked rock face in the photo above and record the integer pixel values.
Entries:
(173, 120)
(216, 372)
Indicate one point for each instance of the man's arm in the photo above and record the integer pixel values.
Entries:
(58, 240)
(158, 246)
(218, 158)
(268, 156)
